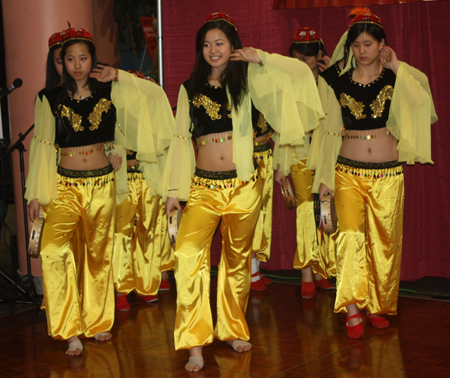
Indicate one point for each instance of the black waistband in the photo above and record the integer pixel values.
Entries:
(262, 147)
(222, 175)
(81, 174)
(364, 165)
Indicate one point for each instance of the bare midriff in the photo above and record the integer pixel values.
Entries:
(84, 158)
(216, 156)
(369, 146)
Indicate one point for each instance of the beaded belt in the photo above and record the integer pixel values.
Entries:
(364, 165)
(133, 169)
(85, 150)
(262, 147)
(214, 138)
(82, 174)
(222, 175)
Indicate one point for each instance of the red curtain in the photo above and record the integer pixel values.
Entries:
(417, 32)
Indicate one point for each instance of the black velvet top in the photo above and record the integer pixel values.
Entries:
(365, 107)
(331, 73)
(83, 122)
(211, 113)
(260, 125)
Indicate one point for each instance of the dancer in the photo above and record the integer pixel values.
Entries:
(214, 107)
(386, 107)
(262, 152)
(80, 117)
(315, 255)
(142, 246)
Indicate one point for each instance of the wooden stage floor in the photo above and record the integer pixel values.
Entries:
(291, 336)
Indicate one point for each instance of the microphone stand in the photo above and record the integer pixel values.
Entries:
(29, 291)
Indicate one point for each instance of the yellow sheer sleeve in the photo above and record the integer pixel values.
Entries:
(313, 153)
(286, 155)
(144, 116)
(41, 180)
(180, 164)
(330, 144)
(285, 90)
(145, 124)
(411, 114)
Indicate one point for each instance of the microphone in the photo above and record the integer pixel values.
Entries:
(6, 91)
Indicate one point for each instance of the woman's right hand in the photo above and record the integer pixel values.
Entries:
(323, 189)
(33, 210)
(280, 178)
(171, 204)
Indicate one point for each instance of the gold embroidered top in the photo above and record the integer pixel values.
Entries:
(365, 107)
(83, 122)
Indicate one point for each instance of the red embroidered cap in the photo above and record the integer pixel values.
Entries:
(78, 34)
(220, 16)
(306, 35)
(366, 18)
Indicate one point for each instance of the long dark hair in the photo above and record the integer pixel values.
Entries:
(356, 29)
(233, 77)
(307, 49)
(69, 82)
(52, 78)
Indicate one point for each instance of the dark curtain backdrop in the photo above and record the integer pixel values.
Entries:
(418, 32)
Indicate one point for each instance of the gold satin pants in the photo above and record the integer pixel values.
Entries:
(263, 232)
(236, 205)
(78, 285)
(312, 251)
(369, 204)
(139, 250)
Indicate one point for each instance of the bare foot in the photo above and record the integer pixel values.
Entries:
(75, 346)
(239, 345)
(195, 362)
(103, 336)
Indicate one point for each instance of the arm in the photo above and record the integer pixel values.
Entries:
(411, 114)
(180, 164)
(329, 147)
(41, 180)
(286, 89)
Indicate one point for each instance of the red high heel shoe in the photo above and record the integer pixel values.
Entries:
(356, 331)
(377, 321)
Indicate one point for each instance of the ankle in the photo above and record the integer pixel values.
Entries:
(196, 351)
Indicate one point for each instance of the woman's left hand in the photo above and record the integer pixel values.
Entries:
(388, 59)
(103, 73)
(246, 54)
(116, 161)
(322, 66)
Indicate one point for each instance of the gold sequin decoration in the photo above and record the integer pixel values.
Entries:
(377, 105)
(262, 123)
(355, 107)
(229, 109)
(212, 107)
(74, 118)
(96, 116)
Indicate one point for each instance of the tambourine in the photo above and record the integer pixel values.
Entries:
(34, 244)
(325, 213)
(174, 220)
(288, 195)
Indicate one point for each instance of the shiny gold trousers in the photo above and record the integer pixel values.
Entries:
(369, 205)
(139, 251)
(236, 205)
(263, 231)
(78, 285)
(313, 249)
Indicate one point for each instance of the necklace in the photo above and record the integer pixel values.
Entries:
(82, 97)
